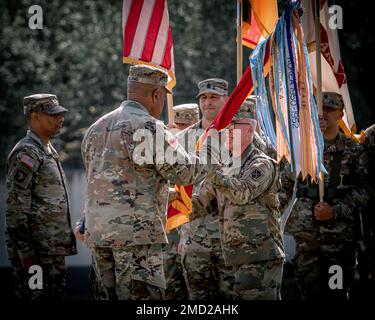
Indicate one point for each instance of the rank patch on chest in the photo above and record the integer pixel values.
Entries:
(256, 174)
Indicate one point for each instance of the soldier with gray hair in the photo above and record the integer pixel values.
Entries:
(249, 218)
(260, 142)
(127, 188)
(38, 230)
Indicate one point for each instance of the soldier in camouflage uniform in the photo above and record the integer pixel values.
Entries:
(127, 188)
(323, 231)
(247, 202)
(96, 285)
(38, 230)
(260, 142)
(206, 274)
(185, 115)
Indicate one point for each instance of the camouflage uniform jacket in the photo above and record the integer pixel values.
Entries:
(287, 181)
(206, 226)
(259, 142)
(37, 213)
(126, 197)
(248, 209)
(347, 195)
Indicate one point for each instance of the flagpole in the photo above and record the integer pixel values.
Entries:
(318, 81)
(170, 108)
(239, 41)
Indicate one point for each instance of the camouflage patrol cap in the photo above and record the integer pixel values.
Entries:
(42, 102)
(148, 75)
(333, 100)
(216, 86)
(186, 113)
(247, 109)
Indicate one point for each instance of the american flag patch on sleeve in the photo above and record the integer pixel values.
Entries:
(29, 162)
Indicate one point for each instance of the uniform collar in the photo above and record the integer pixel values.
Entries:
(246, 154)
(47, 148)
(336, 145)
(136, 106)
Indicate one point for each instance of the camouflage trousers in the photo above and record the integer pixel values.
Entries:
(53, 279)
(176, 287)
(312, 262)
(96, 285)
(130, 273)
(206, 275)
(259, 280)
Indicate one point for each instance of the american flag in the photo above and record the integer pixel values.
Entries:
(147, 35)
(28, 161)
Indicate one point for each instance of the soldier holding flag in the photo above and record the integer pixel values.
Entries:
(324, 231)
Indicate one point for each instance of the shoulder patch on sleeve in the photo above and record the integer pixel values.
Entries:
(261, 170)
(256, 174)
(22, 177)
(29, 162)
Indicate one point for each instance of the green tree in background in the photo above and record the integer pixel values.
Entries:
(77, 56)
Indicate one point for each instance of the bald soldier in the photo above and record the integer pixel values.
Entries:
(324, 231)
(38, 231)
(246, 198)
(185, 115)
(129, 157)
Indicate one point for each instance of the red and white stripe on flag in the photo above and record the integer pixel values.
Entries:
(147, 35)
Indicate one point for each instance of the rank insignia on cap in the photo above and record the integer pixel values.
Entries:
(256, 174)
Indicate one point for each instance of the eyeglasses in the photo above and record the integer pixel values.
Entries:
(235, 124)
